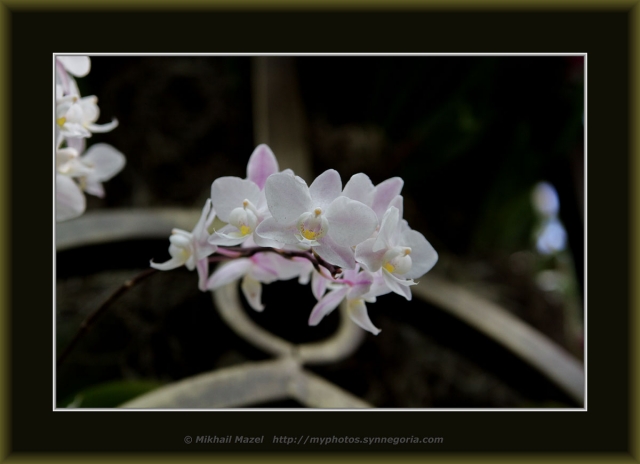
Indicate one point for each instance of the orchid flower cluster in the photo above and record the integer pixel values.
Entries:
(77, 169)
(350, 243)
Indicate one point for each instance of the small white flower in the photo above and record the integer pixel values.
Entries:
(242, 203)
(192, 249)
(76, 117)
(399, 253)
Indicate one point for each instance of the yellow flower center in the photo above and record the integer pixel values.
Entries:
(389, 267)
(245, 230)
(309, 234)
(61, 121)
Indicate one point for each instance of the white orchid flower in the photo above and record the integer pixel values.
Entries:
(401, 254)
(76, 117)
(241, 202)
(317, 216)
(192, 249)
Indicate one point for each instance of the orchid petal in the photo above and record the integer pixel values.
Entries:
(77, 143)
(359, 188)
(252, 290)
(371, 260)
(266, 242)
(325, 188)
(229, 193)
(93, 187)
(203, 273)
(327, 304)
(70, 201)
(262, 164)
(397, 285)
(357, 311)
(200, 233)
(273, 230)
(200, 230)
(335, 254)
(387, 229)
(105, 160)
(227, 236)
(264, 269)
(228, 273)
(318, 285)
(174, 263)
(397, 202)
(350, 222)
(101, 128)
(78, 66)
(423, 255)
(288, 197)
(384, 193)
(361, 285)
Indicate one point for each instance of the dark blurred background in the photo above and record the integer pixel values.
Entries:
(471, 137)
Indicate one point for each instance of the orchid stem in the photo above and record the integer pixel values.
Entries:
(93, 317)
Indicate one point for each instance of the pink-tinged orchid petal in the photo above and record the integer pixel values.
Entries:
(203, 274)
(327, 304)
(357, 311)
(288, 197)
(325, 188)
(361, 285)
(105, 160)
(359, 188)
(271, 229)
(384, 193)
(93, 187)
(229, 193)
(423, 255)
(371, 260)
(252, 290)
(335, 254)
(77, 143)
(262, 164)
(78, 66)
(318, 285)
(70, 201)
(63, 81)
(228, 273)
(350, 222)
(266, 268)
(388, 230)
(399, 286)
